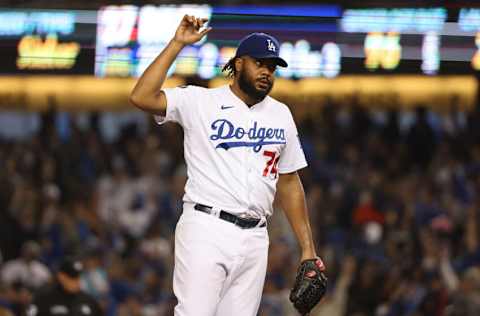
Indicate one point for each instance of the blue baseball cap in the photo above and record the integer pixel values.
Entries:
(260, 45)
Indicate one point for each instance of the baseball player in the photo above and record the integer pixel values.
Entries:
(241, 147)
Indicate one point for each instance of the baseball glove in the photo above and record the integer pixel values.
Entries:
(310, 285)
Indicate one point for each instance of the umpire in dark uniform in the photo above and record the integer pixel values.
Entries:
(65, 296)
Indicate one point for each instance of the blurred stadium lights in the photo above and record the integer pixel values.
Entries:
(318, 40)
(82, 93)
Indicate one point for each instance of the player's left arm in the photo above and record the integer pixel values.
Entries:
(292, 199)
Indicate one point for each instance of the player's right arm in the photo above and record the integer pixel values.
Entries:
(147, 94)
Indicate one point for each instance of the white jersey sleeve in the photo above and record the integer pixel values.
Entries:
(180, 105)
(292, 157)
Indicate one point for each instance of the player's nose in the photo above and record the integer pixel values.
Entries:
(266, 74)
(268, 71)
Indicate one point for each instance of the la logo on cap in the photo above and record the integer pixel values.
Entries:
(270, 45)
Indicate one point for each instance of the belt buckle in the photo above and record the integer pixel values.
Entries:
(247, 222)
(238, 222)
(242, 221)
(215, 211)
(242, 216)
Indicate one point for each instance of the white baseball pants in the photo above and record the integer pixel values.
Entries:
(219, 267)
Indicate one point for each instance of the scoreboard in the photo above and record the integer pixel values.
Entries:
(148, 29)
(129, 37)
(47, 41)
(316, 40)
(411, 40)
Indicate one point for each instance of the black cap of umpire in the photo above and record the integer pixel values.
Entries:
(71, 267)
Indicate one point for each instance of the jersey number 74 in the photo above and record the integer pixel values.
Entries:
(271, 166)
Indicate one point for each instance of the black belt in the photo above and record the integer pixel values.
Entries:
(241, 222)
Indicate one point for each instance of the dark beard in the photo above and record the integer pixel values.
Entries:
(249, 88)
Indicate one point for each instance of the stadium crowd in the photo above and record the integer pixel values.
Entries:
(393, 198)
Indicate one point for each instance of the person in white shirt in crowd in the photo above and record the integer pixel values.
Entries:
(27, 269)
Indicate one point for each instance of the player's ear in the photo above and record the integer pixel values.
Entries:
(238, 64)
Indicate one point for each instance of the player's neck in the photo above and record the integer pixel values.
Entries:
(247, 99)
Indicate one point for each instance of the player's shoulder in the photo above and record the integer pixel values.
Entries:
(190, 87)
(198, 90)
(278, 107)
(221, 90)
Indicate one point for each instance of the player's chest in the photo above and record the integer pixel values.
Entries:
(232, 127)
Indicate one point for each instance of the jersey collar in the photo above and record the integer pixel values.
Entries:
(239, 101)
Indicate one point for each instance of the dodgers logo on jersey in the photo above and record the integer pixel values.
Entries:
(257, 136)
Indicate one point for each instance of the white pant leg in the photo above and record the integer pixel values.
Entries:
(243, 293)
(205, 248)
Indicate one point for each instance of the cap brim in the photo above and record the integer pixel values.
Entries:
(280, 61)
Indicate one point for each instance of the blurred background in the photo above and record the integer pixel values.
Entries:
(385, 95)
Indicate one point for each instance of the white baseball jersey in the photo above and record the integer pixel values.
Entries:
(233, 153)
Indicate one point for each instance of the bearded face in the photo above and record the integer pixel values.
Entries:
(256, 77)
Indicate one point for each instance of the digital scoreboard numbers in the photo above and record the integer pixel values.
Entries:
(130, 37)
(315, 40)
(382, 50)
(41, 41)
(469, 21)
(395, 35)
